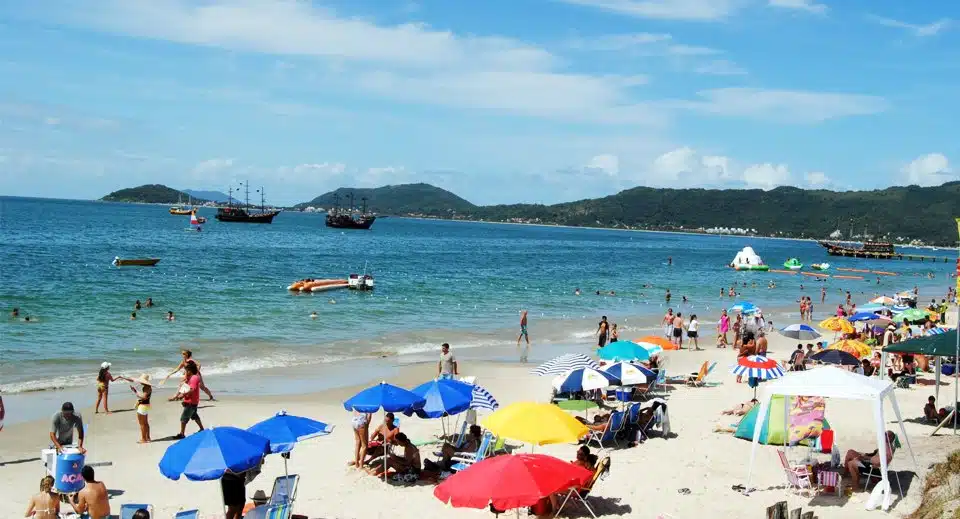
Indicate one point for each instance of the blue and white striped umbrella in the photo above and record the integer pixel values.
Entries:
(744, 307)
(757, 366)
(936, 331)
(584, 379)
(801, 332)
(565, 363)
(482, 399)
(630, 373)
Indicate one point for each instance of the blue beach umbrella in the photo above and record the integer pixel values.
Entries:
(801, 332)
(384, 396)
(863, 316)
(630, 373)
(583, 379)
(744, 307)
(285, 430)
(873, 308)
(208, 454)
(442, 397)
(564, 363)
(623, 350)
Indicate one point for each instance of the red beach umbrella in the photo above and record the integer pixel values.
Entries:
(510, 481)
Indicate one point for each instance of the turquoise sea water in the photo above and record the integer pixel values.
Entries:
(437, 281)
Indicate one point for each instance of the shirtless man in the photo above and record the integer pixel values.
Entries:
(386, 433)
(678, 329)
(523, 328)
(603, 329)
(93, 499)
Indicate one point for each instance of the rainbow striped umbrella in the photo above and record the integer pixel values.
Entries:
(757, 366)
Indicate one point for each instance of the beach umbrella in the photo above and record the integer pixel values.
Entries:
(623, 350)
(838, 357)
(883, 300)
(482, 399)
(442, 397)
(803, 332)
(863, 316)
(912, 314)
(387, 397)
(837, 324)
(208, 454)
(577, 405)
(384, 396)
(285, 430)
(583, 379)
(744, 307)
(510, 481)
(757, 366)
(935, 331)
(874, 308)
(630, 374)
(535, 423)
(565, 363)
(856, 348)
(654, 345)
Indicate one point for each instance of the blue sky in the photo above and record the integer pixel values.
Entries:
(500, 100)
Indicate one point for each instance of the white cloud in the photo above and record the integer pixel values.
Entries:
(766, 176)
(930, 29)
(607, 164)
(640, 43)
(691, 168)
(790, 106)
(809, 6)
(931, 169)
(325, 169)
(817, 179)
(720, 67)
(690, 10)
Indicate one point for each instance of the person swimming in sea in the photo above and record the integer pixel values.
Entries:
(137, 305)
(576, 292)
(170, 316)
(668, 295)
(133, 316)
(149, 302)
(313, 315)
(15, 313)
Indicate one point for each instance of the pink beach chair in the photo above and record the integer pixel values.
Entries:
(797, 477)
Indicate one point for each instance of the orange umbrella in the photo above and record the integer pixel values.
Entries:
(659, 341)
(856, 348)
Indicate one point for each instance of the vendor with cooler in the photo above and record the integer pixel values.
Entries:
(64, 460)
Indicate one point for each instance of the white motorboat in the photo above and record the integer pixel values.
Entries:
(360, 281)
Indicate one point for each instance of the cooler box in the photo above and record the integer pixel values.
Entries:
(65, 469)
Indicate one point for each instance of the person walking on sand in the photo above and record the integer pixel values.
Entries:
(93, 500)
(667, 323)
(190, 397)
(614, 334)
(104, 378)
(693, 328)
(361, 431)
(143, 405)
(447, 367)
(188, 359)
(603, 329)
(678, 330)
(723, 326)
(524, 334)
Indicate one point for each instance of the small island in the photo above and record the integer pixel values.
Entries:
(150, 194)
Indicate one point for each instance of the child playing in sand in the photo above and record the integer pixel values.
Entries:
(104, 378)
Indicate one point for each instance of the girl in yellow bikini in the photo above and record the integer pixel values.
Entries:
(104, 378)
(143, 406)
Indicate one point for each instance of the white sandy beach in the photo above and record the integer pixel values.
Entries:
(644, 481)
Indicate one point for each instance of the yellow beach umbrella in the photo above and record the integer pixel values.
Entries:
(531, 422)
(837, 324)
(855, 348)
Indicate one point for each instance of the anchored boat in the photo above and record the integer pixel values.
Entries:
(142, 262)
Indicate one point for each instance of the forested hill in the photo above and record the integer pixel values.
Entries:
(150, 194)
(403, 199)
(910, 212)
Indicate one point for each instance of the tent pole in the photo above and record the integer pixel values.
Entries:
(956, 366)
(936, 366)
(882, 451)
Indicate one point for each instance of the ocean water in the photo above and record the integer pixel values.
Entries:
(437, 281)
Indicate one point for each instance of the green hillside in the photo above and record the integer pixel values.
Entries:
(149, 194)
(398, 200)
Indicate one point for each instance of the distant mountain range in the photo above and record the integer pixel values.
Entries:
(151, 194)
(894, 213)
(213, 196)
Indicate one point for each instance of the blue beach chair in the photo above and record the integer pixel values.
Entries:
(465, 459)
(127, 511)
(284, 490)
(614, 426)
(188, 514)
(633, 412)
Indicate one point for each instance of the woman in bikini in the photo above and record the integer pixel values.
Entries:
(46, 504)
(143, 406)
(614, 334)
(188, 359)
(361, 432)
(104, 378)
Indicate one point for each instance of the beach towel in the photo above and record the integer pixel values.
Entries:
(806, 418)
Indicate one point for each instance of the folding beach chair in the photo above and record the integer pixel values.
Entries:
(466, 459)
(696, 379)
(658, 412)
(268, 511)
(797, 477)
(188, 514)
(284, 490)
(127, 511)
(603, 468)
(609, 434)
(633, 414)
(660, 384)
(870, 472)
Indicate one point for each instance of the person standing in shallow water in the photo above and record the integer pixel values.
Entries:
(524, 334)
(603, 329)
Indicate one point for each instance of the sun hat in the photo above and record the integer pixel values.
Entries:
(105, 365)
(260, 497)
(144, 379)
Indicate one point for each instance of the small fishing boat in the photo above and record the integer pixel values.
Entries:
(361, 282)
(142, 262)
(792, 264)
(820, 266)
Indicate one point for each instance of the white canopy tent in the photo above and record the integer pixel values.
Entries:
(831, 382)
